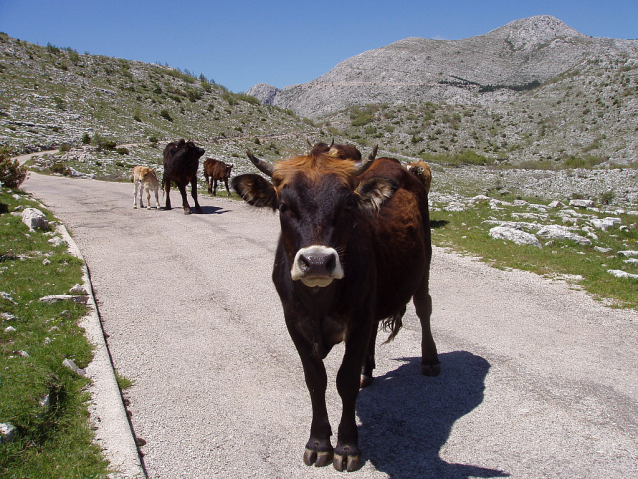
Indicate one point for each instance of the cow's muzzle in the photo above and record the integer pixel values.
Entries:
(316, 266)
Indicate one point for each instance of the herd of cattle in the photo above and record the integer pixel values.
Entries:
(354, 249)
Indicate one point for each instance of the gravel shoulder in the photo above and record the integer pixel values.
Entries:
(537, 380)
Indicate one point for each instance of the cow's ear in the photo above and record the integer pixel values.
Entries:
(256, 191)
(372, 193)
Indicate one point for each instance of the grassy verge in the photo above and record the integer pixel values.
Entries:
(583, 265)
(45, 401)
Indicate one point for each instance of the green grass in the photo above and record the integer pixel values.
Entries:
(53, 440)
(467, 232)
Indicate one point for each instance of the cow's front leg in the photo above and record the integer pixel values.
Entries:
(167, 193)
(198, 208)
(148, 198)
(227, 188)
(185, 205)
(318, 449)
(347, 456)
(368, 361)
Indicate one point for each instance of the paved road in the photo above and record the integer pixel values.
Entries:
(538, 380)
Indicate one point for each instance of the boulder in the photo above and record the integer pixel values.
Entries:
(35, 219)
(515, 235)
(582, 203)
(562, 233)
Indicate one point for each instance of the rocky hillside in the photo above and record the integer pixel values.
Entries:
(534, 89)
(51, 96)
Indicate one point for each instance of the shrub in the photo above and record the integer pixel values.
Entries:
(122, 150)
(166, 115)
(86, 139)
(12, 174)
(64, 147)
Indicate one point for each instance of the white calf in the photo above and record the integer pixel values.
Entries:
(145, 178)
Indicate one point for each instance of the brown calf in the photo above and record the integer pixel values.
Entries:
(422, 171)
(145, 179)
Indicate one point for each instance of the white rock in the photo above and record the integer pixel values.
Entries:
(622, 274)
(515, 235)
(582, 203)
(9, 329)
(600, 249)
(34, 219)
(556, 204)
(73, 367)
(628, 253)
(562, 233)
(7, 432)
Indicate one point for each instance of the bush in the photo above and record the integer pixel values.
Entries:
(64, 148)
(166, 115)
(12, 174)
(86, 139)
(122, 150)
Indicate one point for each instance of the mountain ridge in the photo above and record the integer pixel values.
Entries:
(534, 49)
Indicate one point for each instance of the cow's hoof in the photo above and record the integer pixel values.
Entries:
(347, 462)
(431, 369)
(149, 208)
(135, 207)
(365, 381)
(318, 458)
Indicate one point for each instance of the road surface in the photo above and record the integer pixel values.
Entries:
(538, 380)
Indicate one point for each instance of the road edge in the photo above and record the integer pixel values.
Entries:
(108, 415)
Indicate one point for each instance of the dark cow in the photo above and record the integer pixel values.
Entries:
(181, 160)
(354, 249)
(215, 170)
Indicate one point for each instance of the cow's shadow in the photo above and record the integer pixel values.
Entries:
(406, 418)
(213, 210)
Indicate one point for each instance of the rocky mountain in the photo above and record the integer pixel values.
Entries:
(478, 69)
(534, 92)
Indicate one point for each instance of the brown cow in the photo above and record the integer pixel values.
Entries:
(422, 171)
(181, 160)
(215, 170)
(145, 179)
(354, 249)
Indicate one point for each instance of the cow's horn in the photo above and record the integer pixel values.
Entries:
(373, 155)
(265, 168)
(362, 165)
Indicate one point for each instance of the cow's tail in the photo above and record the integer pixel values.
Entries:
(393, 324)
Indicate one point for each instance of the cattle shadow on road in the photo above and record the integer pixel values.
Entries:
(213, 210)
(406, 418)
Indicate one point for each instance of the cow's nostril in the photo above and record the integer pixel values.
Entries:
(304, 263)
(331, 263)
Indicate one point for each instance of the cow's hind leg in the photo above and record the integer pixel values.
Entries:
(198, 209)
(215, 187)
(136, 185)
(227, 188)
(430, 364)
(148, 197)
(208, 185)
(368, 362)
(185, 205)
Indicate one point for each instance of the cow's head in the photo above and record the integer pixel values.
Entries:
(318, 198)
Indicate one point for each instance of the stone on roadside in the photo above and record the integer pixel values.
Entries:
(35, 219)
(73, 367)
(515, 235)
(7, 432)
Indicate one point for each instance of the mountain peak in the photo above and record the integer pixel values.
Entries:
(534, 31)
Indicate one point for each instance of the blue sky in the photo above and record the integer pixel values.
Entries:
(239, 43)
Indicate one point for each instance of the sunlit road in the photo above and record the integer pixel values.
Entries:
(537, 380)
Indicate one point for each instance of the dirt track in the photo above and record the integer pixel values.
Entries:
(537, 380)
